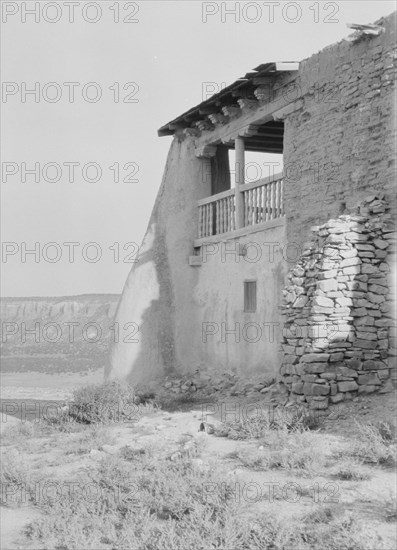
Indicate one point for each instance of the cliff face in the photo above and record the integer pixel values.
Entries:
(63, 334)
(68, 308)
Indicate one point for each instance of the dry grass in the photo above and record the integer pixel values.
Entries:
(143, 499)
(376, 444)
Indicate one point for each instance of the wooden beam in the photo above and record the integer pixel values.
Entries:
(235, 127)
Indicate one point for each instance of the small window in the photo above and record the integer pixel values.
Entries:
(250, 296)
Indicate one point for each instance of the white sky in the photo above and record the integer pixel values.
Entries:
(169, 53)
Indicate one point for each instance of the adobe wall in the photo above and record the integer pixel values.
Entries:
(247, 344)
(158, 294)
(340, 310)
(175, 319)
(339, 141)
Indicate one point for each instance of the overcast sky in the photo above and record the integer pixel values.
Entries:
(167, 56)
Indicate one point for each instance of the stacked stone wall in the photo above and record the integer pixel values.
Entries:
(339, 336)
(339, 141)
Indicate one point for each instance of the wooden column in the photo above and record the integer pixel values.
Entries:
(239, 180)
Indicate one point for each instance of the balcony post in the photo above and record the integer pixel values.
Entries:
(239, 180)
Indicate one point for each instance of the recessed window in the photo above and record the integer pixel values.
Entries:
(250, 296)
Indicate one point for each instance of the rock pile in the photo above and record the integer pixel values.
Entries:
(200, 385)
(339, 336)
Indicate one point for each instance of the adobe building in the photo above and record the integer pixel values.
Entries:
(288, 276)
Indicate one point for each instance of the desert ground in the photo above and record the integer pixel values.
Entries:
(189, 475)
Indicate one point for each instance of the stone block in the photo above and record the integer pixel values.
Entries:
(320, 389)
(352, 270)
(369, 378)
(369, 269)
(375, 298)
(328, 375)
(378, 289)
(315, 357)
(380, 243)
(297, 387)
(337, 398)
(348, 262)
(365, 344)
(383, 374)
(301, 301)
(327, 285)
(371, 364)
(309, 377)
(345, 371)
(347, 386)
(322, 301)
(368, 388)
(339, 356)
(315, 368)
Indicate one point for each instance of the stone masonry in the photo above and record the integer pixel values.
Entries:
(339, 139)
(339, 335)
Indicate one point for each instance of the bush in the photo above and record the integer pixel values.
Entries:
(376, 444)
(104, 403)
(290, 419)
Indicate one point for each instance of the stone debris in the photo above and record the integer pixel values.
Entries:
(339, 337)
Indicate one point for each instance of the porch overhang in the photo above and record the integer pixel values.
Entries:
(250, 91)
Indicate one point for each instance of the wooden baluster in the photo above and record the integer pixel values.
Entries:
(216, 218)
(267, 202)
(279, 198)
(259, 204)
(282, 197)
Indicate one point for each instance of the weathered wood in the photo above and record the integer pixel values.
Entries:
(239, 180)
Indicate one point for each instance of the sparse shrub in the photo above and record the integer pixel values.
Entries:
(374, 445)
(92, 437)
(157, 505)
(290, 419)
(104, 403)
(387, 430)
(350, 470)
(322, 514)
(282, 450)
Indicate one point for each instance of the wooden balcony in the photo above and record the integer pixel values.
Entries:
(261, 202)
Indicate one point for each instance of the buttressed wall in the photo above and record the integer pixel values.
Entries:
(161, 282)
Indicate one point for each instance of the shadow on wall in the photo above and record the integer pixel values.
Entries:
(339, 336)
(144, 346)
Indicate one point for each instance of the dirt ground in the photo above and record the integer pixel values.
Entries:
(64, 456)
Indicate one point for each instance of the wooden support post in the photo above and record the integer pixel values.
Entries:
(239, 180)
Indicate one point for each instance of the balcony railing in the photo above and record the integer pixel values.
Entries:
(262, 202)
